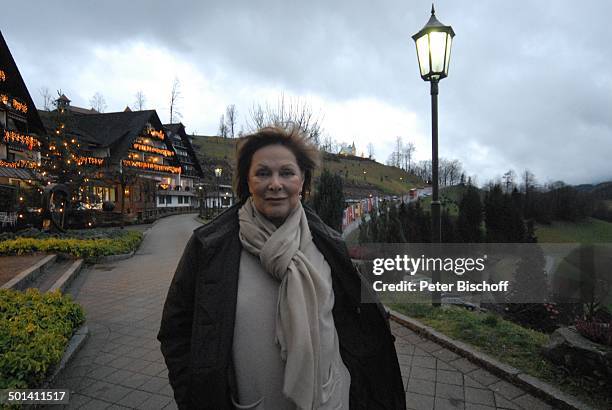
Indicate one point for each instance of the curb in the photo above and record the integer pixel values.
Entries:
(114, 258)
(27, 275)
(76, 342)
(538, 388)
(68, 276)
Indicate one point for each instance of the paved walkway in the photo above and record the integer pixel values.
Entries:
(121, 366)
(436, 378)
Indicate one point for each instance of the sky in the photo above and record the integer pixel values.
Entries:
(529, 85)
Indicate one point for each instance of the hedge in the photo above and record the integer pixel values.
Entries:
(34, 331)
(89, 249)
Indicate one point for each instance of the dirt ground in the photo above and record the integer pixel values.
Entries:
(10, 266)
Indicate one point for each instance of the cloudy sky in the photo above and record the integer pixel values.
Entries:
(530, 83)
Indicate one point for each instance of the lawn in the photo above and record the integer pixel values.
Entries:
(507, 342)
(589, 231)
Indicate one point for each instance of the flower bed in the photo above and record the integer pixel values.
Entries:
(89, 248)
(34, 331)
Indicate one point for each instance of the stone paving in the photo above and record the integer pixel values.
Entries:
(437, 378)
(121, 366)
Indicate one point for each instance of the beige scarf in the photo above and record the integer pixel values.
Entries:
(297, 313)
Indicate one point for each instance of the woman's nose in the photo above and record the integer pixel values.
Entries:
(275, 184)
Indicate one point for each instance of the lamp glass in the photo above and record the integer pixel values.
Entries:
(422, 44)
(449, 42)
(437, 49)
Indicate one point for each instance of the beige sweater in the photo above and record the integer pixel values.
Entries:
(258, 366)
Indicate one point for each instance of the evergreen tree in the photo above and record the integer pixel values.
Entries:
(364, 231)
(328, 201)
(469, 220)
(394, 228)
(448, 227)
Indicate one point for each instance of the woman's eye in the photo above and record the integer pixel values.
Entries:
(261, 173)
(287, 173)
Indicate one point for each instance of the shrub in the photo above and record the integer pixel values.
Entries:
(89, 249)
(34, 331)
(596, 331)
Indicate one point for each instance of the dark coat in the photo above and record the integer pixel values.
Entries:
(197, 326)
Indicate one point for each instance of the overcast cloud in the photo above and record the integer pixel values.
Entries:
(530, 83)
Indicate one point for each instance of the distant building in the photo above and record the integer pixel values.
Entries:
(346, 149)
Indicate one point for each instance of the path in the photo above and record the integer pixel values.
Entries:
(121, 366)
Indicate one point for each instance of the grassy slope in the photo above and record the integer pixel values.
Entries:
(449, 197)
(222, 149)
(589, 231)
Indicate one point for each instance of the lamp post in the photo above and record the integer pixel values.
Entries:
(218, 172)
(433, 46)
(201, 194)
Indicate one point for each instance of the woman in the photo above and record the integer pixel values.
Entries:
(264, 309)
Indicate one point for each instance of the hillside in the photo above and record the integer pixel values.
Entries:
(361, 176)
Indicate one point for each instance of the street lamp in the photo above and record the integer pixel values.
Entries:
(218, 172)
(433, 46)
(201, 195)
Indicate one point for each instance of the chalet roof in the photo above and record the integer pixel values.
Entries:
(80, 110)
(15, 86)
(115, 130)
(63, 98)
(179, 129)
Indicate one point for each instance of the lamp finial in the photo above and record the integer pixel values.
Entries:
(433, 11)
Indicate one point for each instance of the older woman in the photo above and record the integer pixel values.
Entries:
(264, 309)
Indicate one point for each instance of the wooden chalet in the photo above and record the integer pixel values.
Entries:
(22, 136)
(128, 158)
(185, 193)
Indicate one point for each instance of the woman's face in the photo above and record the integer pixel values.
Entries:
(275, 182)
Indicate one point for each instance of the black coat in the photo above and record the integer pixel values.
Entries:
(197, 326)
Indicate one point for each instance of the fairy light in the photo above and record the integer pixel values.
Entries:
(90, 161)
(151, 166)
(157, 134)
(154, 150)
(19, 106)
(13, 136)
(2, 76)
(22, 163)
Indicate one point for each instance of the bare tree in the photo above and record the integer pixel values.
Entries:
(287, 113)
(222, 127)
(508, 179)
(98, 102)
(175, 96)
(370, 150)
(46, 98)
(230, 120)
(529, 181)
(408, 152)
(140, 100)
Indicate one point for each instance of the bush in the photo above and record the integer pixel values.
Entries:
(34, 331)
(89, 249)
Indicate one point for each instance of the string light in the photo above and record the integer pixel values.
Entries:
(157, 134)
(13, 136)
(2, 76)
(90, 161)
(22, 163)
(154, 167)
(155, 150)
